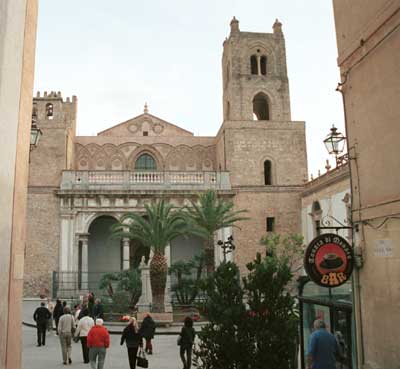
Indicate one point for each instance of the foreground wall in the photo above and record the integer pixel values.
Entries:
(368, 37)
(17, 46)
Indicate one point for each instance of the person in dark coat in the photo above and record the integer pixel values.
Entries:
(147, 330)
(98, 310)
(133, 340)
(186, 341)
(41, 317)
(57, 313)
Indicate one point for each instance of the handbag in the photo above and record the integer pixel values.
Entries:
(142, 362)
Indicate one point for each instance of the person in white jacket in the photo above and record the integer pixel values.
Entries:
(82, 330)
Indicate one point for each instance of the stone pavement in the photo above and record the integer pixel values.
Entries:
(166, 354)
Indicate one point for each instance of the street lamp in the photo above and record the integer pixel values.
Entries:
(36, 133)
(226, 246)
(334, 142)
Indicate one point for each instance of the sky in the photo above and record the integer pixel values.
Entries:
(117, 55)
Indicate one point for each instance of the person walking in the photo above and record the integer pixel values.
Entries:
(98, 340)
(322, 348)
(98, 310)
(147, 330)
(131, 335)
(57, 313)
(186, 340)
(85, 323)
(50, 307)
(41, 316)
(65, 330)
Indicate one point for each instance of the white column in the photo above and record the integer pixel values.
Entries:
(125, 253)
(167, 296)
(84, 263)
(259, 65)
(146, 297)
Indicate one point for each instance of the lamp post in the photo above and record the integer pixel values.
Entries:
(36, 133)
(334, 142)
(226, 246)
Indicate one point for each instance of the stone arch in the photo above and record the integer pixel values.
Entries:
(261, 107)
(146, 149)
(94, 216)
(260, 48)
(269, 99)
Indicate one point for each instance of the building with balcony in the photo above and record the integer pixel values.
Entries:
(79, 186)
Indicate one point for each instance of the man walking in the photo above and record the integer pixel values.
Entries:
(322, 348)
(41, 317)
(65, 330)
(98, 340)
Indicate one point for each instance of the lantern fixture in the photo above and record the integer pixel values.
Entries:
(334, 142)
(36, 133)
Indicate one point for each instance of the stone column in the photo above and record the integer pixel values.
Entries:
(259, 65)
(125, 253)
(84, 262)
(146, 298)
(167, 298)
(17, 44)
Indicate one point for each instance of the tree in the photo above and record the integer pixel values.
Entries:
(123, 286)
(207, 216)
(186, 287)
(263, 334)
(155, 230)
(224, 342)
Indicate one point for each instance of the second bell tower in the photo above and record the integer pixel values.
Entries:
(255, 82)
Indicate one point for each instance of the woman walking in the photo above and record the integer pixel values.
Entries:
(82, 330)
(186, 341)
(147, 330)
(133, 340)
(98, 341)
(65, 329)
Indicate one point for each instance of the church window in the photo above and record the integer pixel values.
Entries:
(260, 107)
(263, 65)
(49, 111)
(228, 110)
(145, 133)
(253, 64)
(267, 173)
(145, 162)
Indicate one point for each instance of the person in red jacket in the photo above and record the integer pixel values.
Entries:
(98, 340)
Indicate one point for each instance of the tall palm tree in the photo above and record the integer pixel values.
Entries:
(155, 229)
(207, 216)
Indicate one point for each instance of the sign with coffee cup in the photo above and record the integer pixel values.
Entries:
(329, 260)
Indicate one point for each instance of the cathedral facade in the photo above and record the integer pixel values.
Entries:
(79, 186)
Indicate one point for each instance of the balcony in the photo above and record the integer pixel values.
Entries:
(146, 180)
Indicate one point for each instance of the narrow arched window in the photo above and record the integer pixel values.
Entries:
(253, 64)
(263, 65)
(145, 162)
(49, 111)
(228, 110)
(260, 107)
(267, 172)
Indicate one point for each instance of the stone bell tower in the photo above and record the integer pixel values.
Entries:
(263, 150)
(255, 82)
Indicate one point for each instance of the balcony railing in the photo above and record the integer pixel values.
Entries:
(146, 180)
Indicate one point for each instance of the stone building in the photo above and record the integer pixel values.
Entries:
(368, 39)
(79, 186)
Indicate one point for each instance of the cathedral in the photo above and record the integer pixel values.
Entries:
(81, 185)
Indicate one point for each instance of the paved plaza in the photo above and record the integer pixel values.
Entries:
(166, 354)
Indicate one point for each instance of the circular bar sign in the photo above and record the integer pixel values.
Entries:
(329, 260)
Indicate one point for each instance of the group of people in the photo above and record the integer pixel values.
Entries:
(85, 324)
